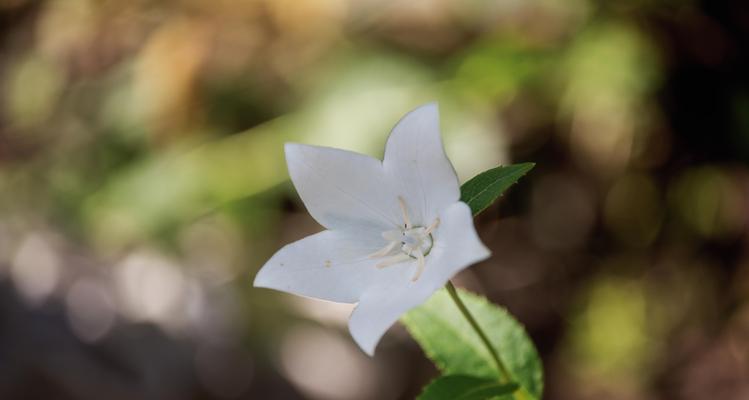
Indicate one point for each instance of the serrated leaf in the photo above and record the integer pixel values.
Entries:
(448, 339)
(481, 190)
(463, 387)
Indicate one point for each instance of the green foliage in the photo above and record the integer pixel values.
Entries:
(481, 190)
(463, 387)
(448, 339)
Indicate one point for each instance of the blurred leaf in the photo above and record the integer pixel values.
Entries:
(462, 387)
(481, 191)
(183, 182)
(448, 339)
(495, 69)
(33, 86)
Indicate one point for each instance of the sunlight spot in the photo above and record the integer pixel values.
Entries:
(35, 269)
(151, 288)
(90, 309)
(324, 365)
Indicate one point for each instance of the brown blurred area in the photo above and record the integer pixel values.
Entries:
(142, 185)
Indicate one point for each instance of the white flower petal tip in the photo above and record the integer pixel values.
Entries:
(416, 158)
(396, 229)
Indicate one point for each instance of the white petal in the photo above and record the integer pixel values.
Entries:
(328, 265)
(380, 306)
(456, 247)
(415, 161)
(342, 189)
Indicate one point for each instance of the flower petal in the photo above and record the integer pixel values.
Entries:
(379, 307)
(327, 265)
(416, 163)
(456, 247)
(456, 244)
(342, 189)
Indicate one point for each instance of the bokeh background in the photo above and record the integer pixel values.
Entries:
(142, 185)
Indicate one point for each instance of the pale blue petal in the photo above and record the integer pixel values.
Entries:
(329, 265)
(342, 189)
(416, 163)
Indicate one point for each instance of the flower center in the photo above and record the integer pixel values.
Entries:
(407, 243)
(415, 239)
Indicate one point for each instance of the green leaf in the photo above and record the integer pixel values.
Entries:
(448, 339)
(462, 387)
(481, 190)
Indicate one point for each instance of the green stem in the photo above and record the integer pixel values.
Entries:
(505, 376)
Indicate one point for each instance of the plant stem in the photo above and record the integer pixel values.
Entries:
(505, 376)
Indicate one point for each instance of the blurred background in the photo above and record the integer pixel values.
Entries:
(143, 183)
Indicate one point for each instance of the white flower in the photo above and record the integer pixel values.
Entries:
(396, 229)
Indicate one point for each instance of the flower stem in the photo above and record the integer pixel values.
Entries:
(505, 376)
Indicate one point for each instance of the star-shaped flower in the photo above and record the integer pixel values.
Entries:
(396, 229)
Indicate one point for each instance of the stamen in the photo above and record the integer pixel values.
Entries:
(407, 243)
(404, 210)
(432, 227)
(419, 265)
(396, 259)
(384, 251)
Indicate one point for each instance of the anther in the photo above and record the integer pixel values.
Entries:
(432, 227)
(396, 259)
(404, 210)
(407, 243)
(384, 251)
